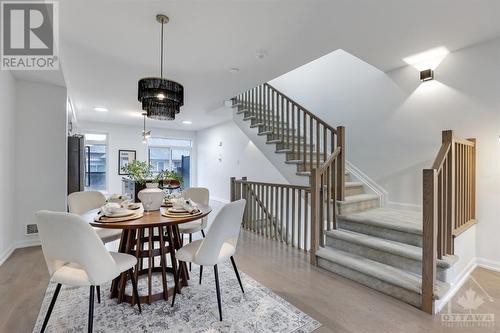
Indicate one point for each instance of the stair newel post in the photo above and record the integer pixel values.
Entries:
(242, 194)
(314, 216)
(341, 163)
(429, 239)
(232, 189)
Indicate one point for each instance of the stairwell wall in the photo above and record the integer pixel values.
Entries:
(394, 122)
(224, 151)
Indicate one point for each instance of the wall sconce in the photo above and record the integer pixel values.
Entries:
(426, 75)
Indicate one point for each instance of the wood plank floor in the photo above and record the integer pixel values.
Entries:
(339, 304)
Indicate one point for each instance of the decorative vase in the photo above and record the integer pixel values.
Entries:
(151, 197)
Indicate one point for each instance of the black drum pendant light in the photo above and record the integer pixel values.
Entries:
(160, 98)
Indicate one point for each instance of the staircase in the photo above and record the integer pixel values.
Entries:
(350, 233)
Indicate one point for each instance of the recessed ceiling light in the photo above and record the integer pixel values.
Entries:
(187, 122)
(100, 109)
(234, 70)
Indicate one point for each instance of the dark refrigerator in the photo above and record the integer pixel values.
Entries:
(76, 163)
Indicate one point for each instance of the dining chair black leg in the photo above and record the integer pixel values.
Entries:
(51, 306)
(98, 291)
(237, 274)
(91, 309)
(218, 291)
(203, 233)
(134, 287)
(201, 272)
(190, 240)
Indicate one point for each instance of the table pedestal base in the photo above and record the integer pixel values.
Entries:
(133, 242)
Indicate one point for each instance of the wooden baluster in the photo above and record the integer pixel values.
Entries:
(317, 144)
(439, 221)
(267, 208)
(333, 203)
(287, 215)
(299, 218)
(293, 217)
(293, 128)
(306, 217)
(282, 119)
(281, 213)
(429, 235)
(254, 208)
(325, 139)
(328, 177)
(271, 112)
(321, 201)
(288, 124)
(447, 137)
(341, 163)
(304, 130)
(311, 142)
(274, 202)
(473, 178)
(298, 135)
(446, 231)
(314, 217)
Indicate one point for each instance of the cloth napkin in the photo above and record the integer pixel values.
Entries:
(190, 206)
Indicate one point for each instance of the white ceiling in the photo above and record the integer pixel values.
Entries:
(107, 45)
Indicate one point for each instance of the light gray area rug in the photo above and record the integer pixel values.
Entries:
(257, 310)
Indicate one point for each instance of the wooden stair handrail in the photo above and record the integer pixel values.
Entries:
(324, 123)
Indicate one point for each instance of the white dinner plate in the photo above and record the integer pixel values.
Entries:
(121, 212)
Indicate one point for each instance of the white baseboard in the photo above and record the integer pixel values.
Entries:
(27, 243)
(459, 281)
(6, 254)
(17, 245)
(489, 264)
(403, 206)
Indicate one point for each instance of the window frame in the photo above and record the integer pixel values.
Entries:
(172, 147)
(108, 153)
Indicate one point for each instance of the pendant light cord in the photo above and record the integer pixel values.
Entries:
(161, 54)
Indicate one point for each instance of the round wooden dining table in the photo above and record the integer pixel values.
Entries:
(150, 230)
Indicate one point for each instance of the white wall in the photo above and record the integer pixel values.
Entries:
(394, 122)
(236, 157)
(7, 170)
(40, 153)
(129, 138)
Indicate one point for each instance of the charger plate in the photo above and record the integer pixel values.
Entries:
(105, 219)
(185, 214)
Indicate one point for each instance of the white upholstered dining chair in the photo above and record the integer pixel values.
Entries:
(218, 246)
(199, 195)
(82, 202)
(76, 256)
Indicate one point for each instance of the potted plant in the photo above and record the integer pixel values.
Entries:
(138, 171)
(172, 179)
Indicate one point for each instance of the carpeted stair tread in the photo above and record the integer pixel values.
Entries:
(385, 273)
(401, 220)
(359, 198)
(393, 247)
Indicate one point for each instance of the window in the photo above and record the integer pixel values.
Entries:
(171, 155)
(95, 162)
